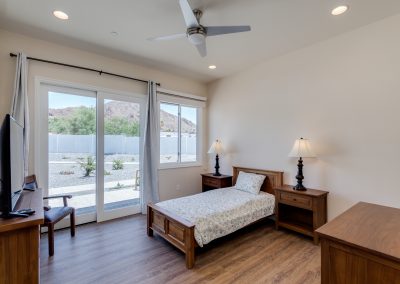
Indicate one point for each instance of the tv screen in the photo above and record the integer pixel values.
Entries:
(12, 164)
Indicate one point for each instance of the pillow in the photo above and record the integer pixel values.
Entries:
(250, 183)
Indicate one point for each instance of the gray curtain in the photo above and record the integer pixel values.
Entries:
(151, 157)
(19, 106)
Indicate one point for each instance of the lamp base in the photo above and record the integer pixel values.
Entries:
(216, 174)
(299, 187)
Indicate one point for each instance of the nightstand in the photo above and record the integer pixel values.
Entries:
(212, 182)
(300, 211)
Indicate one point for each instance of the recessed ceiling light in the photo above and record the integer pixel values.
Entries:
(339, 10)
(61, 15)
(212, 67)
(114, 33)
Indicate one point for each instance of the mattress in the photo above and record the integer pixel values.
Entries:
(219, 212)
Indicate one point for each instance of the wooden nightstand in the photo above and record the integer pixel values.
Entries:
(301, 211)
(212, 182)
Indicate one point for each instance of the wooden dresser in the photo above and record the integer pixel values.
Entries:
(362, 245)
(19, 242)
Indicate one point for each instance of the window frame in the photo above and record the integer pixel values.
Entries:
(199, 132)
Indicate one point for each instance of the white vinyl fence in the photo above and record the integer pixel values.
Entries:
(116, 144)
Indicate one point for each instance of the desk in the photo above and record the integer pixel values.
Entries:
(19, 242)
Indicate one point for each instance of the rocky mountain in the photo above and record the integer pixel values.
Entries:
(169, 122)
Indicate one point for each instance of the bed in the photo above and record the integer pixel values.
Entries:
(196, 220)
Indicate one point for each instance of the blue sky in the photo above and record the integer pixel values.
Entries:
(60, 100)
(186, 112)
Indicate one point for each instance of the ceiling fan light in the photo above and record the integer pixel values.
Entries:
(196, 39)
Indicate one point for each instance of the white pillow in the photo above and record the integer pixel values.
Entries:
(249, 182)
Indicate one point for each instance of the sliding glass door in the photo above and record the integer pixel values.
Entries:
(120, 126)
(92, 151)
(71, 149)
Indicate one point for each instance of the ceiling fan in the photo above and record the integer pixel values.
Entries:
(197, 33)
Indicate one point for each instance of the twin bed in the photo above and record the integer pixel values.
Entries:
(196, 220)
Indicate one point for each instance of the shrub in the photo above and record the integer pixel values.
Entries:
(88, 166)
(107, 173)
(118, 164)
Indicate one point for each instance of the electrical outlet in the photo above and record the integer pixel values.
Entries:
(178, 187)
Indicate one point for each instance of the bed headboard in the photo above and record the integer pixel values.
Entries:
(273, 178)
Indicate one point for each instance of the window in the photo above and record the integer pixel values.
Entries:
(179, 133)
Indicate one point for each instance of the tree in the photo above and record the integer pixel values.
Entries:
(81, 122)
(121, 126)
(58, 125)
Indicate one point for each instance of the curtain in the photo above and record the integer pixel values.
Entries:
(20, 107)
(150, 159)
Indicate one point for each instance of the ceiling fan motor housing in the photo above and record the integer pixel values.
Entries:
(196, 35)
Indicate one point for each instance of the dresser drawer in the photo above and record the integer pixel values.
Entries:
(295, 199)
(211, 182)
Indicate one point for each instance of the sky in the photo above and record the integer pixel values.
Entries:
(186, 112)
(60, 100)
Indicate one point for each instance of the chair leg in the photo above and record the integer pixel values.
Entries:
(50, 233)
(72, 220)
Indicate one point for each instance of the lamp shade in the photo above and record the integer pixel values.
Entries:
(302, 148)
(216, 148)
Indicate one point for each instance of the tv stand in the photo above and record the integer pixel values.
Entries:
(19, 241)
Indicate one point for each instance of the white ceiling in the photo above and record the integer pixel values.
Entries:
(278, 27)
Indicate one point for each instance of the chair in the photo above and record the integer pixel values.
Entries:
(53, 215)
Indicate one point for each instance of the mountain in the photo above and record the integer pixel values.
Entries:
(169, 122)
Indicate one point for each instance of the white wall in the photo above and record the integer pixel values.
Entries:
(343, 94)
(170, 184)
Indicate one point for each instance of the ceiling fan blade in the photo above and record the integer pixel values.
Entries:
(168, 37)
(202, 48)
(221, 30)
(190, 18)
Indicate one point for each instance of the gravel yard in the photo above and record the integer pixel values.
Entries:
(65, 169)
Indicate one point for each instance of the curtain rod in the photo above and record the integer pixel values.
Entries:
(85, 68)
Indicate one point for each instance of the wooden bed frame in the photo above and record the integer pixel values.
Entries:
(180, 232)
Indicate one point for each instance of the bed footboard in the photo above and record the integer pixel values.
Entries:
(176, 230)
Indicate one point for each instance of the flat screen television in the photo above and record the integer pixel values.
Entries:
(12, 164)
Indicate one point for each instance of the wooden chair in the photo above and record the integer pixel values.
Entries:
(53, 215)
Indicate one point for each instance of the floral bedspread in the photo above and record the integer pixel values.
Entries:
(219, 212)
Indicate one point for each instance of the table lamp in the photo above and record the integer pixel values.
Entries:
(301, 149)
(216, 148)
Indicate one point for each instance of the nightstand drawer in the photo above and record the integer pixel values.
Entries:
(296, 199)
(211, 182)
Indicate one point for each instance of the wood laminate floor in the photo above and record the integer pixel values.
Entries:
(119, 251)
